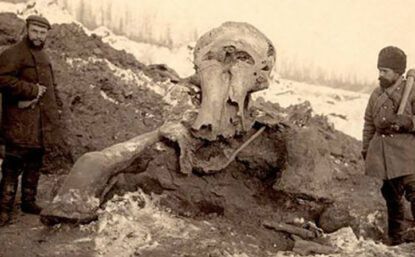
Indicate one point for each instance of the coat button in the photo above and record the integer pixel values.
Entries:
(383, 135)
(383, 118)
(385, 107)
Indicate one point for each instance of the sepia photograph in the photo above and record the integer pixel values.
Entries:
(180, 128)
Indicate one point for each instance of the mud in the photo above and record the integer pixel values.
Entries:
(25, 236)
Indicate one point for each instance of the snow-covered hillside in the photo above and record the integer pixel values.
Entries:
(180, 59)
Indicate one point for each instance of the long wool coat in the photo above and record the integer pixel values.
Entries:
(21, 67)
(388, 155)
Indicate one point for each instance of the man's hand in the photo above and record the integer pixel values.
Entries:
(402, 123)
(31, 103)
(2, 153)
(410, 73)
(41, 91)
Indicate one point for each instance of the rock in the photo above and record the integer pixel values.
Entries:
(334, 218)
(98, 51)
(308, 170)
(11, 29)
(161, 72)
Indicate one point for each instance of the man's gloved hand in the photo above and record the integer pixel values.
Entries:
(402, 123)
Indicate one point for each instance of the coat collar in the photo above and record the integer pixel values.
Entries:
(384, 96)
(395, 86)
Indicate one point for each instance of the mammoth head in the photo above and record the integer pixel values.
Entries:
(231, 61)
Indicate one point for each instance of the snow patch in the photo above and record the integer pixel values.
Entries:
(180, 58)
(345, 109)
(349, 245)
(133, 222)
(106, 97)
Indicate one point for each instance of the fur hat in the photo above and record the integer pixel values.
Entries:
(38, 20)
(393, 58)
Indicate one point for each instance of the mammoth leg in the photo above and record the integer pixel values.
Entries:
(79, 197)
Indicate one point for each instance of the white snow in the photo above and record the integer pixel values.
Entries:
(180, 58)
(345, 109)
(125, 228)
(349, 245)
(106, 97)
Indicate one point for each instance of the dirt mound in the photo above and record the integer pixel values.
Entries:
(324, 166)
(11, 29)
(322, 180)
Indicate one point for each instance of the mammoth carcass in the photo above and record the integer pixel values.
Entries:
(231, 62)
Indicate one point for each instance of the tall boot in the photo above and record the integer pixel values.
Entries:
(392, 192)
(410, 236)
(413, 210)
(395, 222)
(8, 188)
(30, 179)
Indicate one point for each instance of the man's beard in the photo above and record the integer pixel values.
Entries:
(34, 46)
(385, 83)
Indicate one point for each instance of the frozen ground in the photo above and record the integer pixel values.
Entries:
(125, 228)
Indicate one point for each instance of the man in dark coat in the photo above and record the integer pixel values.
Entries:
(28, 116)
(389, 139)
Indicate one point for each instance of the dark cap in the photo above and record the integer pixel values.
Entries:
(393, 58)
(38, 20)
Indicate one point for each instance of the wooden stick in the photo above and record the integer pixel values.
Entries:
(408, 88)
(291, 229)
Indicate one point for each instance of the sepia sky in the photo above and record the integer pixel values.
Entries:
(340, 36)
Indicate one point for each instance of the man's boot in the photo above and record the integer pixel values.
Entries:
(393, 192)
(8, 187)
(396, 213)
(30, 181)
(395, 230)
(413, 210)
